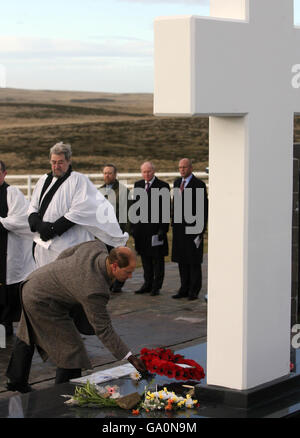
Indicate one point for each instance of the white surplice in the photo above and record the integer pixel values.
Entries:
(78, 200)
(20, 262)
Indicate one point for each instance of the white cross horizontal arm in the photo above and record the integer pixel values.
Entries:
(213, 66)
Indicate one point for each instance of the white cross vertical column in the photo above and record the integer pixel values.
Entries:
(249, 270)
(237, 68)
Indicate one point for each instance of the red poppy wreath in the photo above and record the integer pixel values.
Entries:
(165, 363)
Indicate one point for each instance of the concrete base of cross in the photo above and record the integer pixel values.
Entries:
(278, 389)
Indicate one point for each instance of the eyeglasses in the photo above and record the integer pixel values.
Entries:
(59, 163)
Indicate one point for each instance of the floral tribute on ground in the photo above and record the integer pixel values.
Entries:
(167, 400)
(93, 396)
(158, 361)
(164, 362)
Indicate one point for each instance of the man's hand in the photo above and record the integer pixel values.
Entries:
(138, 364)
(47, 231)
(35, 222)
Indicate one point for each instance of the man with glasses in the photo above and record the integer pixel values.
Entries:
(66, 209)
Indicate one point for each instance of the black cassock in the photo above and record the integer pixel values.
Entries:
(10, 306)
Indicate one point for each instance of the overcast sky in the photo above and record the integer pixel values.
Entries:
(88, 45)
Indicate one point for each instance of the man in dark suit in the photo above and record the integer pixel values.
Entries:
(187, 249)
(119, 196)
(150, 235)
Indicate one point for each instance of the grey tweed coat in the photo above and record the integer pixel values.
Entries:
(78, 275)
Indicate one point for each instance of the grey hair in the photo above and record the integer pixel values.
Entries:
(62, 148)
(149, 163)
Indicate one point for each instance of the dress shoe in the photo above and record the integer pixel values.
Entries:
(177, 296)
(20, 387)
(154, 292)
(143, 290)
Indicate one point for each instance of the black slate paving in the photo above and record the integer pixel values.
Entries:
(49, 403)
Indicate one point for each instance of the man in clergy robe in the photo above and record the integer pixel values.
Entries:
(150, 235)
(119, 196)
(187, 249)
(81, 274)
(16, 261)
(67, 209)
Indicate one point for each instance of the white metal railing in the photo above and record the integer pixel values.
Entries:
(26, 183)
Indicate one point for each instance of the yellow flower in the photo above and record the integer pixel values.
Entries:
(195, 401)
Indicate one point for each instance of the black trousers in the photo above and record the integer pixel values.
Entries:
(154, 271)
(10, 303)
(191, 279)
(20, 363)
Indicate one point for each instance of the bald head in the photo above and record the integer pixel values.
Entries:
(185, 167)
(147, 170)
(121, 255)
(122, 261)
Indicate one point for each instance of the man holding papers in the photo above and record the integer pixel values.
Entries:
(150, 231)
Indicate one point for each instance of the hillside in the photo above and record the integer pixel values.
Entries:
(101, 127)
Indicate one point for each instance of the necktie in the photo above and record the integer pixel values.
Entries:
(147, 186)
(182, 185)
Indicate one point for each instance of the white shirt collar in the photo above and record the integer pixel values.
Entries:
(150, 182)
(187, 180)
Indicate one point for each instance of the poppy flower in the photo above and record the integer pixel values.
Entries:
(164, 362)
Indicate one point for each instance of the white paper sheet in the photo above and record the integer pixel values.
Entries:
(40, 242)
(106, 375)
(155, 241)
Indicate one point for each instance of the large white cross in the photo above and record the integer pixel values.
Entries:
(236, 66)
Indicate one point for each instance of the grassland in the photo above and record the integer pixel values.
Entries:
(101, 128)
